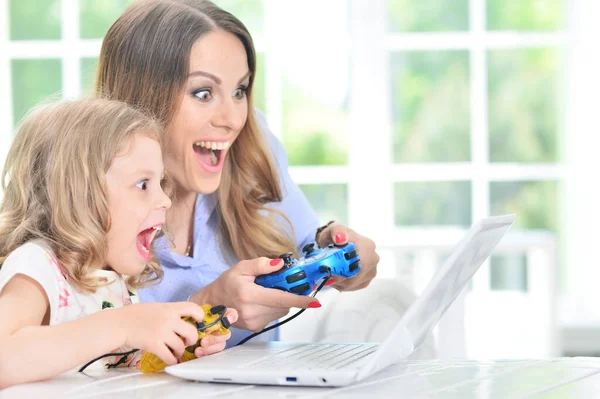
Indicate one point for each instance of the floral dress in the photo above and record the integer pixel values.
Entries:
(35, 260)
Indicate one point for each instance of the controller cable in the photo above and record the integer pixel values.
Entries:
(219, 309)
(249, 337)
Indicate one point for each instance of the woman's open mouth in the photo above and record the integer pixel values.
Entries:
(210, 154)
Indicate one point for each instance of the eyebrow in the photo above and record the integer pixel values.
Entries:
(147, 172)
(215, 78)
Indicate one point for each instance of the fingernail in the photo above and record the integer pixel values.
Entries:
(275, 262)
(340, 238)
(331, 281)
(313, 305)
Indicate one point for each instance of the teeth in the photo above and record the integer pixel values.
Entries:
(213, 145)
(158, 228)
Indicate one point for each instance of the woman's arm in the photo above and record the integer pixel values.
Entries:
(32, 352)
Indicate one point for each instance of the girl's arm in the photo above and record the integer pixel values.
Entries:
(32, 352)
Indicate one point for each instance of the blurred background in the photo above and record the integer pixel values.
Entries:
(408, 120)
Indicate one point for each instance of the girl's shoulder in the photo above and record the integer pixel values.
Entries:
(36, 260)
(32, 252)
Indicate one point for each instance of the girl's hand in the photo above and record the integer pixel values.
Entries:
(159, 328)
(216, 343)
(339, 234)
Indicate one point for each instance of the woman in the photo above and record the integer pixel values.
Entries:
(192, 65)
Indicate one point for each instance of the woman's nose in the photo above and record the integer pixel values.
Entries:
(231, 114)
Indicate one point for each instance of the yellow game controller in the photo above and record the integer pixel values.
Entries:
(214, 322)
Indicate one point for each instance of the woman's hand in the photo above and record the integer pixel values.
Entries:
(339, 234)
(216, 343)
(256, 306)
(159, 328)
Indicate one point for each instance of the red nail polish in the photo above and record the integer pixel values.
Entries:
(314, 305)
(331, 281)
(340, 238)
(275, 262)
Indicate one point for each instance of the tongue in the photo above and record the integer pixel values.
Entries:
(144, 238)
(207, 156)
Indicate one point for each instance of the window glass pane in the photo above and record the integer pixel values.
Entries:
(32, 82)
(314, 126)
(97, 16)
(428, 15)
(430, 106)
(315, 81)
(524, 112)
(534, 203)
(537, 205)
(508, 273)
(315, 108)
(433, 203)
(250, 12)
(528, 15)
(88, 75)
(330, 201)
(34, 19)
(258, 90)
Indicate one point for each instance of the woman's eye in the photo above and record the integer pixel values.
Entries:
(143, 185)
(203, 95)
(240, 93)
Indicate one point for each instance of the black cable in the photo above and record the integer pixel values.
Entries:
(249, 337)
(124, 354)
(219, 309)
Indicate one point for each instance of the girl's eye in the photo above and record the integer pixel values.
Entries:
(203, 94)
(240, 93)
(143, 185)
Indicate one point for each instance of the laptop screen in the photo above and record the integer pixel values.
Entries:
(454, 274)
(447, 283)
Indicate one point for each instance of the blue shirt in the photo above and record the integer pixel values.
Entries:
(183, 275)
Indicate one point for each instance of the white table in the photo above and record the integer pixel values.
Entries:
(541, 379)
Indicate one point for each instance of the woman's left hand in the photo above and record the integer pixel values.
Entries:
(216, 343)
(339, 234)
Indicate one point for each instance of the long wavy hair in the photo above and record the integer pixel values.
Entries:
(144, 61)
(55, 186)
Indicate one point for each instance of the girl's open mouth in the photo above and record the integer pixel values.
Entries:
(144, 241)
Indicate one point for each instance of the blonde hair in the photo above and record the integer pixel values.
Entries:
(144, 61)
(54, 183)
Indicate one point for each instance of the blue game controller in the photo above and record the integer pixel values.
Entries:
(299, 276)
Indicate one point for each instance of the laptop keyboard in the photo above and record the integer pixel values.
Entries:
(315, 356)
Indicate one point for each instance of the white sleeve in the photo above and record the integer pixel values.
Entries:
(33, 261)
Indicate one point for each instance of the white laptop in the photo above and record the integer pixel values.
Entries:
(333, 364)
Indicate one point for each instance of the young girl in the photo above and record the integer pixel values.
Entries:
(82, 203)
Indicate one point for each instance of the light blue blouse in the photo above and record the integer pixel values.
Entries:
(183, 275)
